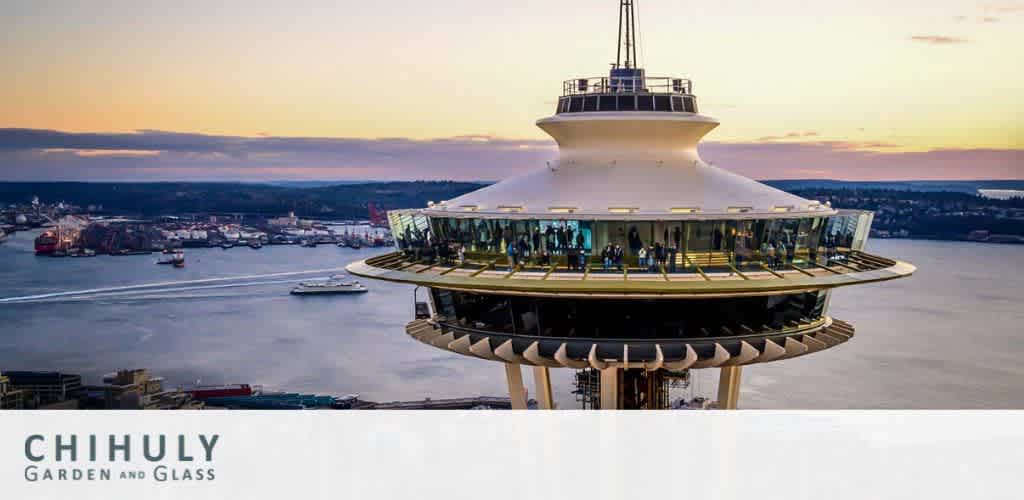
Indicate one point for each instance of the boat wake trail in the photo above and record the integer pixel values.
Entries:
(154, 293)
(163, 286)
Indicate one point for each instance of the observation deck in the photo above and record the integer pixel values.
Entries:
(709, 274)
(629, 254)
(627, 93)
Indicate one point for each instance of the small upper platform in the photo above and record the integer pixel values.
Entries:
(633, 92)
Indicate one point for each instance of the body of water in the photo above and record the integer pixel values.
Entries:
(947, 337)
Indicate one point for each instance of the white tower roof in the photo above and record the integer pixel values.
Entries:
(630, 165)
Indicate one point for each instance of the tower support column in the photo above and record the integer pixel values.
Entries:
(516, 390)
(729, 387)
(610, 399)
(542, 379)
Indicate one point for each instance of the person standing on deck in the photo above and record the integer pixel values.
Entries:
(635, 243)
(512, 257)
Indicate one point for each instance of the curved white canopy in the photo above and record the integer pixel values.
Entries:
(622, 165)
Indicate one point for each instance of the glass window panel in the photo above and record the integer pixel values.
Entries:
(661, 103)
(688, 105)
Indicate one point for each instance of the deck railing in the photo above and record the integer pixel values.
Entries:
(617, 85)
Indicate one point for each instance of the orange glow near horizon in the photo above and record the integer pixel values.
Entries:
(885, 78)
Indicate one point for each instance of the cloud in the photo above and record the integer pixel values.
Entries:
(1007, 8)
(938, 39)
(33, 154)
(158, 154)
(862, 161)
(791, 135)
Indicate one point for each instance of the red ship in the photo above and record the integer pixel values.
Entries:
(221, 391)
(46, 243)
(378, 218)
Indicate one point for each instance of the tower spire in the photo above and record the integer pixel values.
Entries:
(627, 36)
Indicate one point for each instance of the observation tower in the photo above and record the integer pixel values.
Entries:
(629, 258)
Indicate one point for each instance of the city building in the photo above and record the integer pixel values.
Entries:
(41, 389)
(10, 398)
(135, 390)
(290, 221)
(629, 258)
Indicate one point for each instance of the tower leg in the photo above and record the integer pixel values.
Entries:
(729, 387)
(516, 390)
(610, 389)
(542, 379)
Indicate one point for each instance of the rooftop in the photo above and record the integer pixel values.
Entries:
(637, 189)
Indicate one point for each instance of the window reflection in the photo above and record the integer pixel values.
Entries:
(618, 319)
(670, 246)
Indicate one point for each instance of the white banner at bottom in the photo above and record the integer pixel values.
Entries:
(514, 455)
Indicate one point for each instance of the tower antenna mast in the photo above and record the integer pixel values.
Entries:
(627, 35)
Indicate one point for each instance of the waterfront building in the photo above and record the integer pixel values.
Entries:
(135, 390)
(278, 222)
(44, 388)
(629, 258)
(10, 398)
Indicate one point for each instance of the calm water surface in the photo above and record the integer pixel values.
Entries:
(948, 337)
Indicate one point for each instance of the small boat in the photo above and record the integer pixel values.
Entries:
(81, 252)
(126, 252)
(255, 244)
(176, 259)
(309, 243)
(329, 288)
(226, 245)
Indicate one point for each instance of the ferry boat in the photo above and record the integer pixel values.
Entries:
(176, 259)
(332, 287)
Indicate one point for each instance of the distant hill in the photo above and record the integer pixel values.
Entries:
(971, 187)
(349, 199)
(333, 200)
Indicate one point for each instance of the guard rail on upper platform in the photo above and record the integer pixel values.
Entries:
(618, 85)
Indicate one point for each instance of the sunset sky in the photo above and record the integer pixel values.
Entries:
(451, 89)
